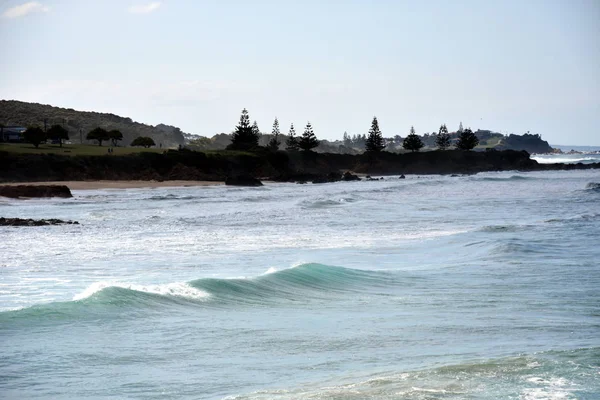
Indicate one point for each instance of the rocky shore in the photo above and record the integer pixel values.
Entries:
(186, 165)
(34, 222)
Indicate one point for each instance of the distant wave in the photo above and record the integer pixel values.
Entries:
(545, 375)
(306, 281)
(593, 186)
(503, 228)
(576, 218)
(172, 197)
(504, 179)
(324, 203)
(580, 158)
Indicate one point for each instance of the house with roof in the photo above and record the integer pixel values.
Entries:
(12, 133)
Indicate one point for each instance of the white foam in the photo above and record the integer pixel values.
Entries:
(566, 160)
(176, 289)
(271, 270)
(553, 388)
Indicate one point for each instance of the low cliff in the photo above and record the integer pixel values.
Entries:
(281, 166)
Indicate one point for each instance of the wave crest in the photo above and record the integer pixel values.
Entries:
(177, 289)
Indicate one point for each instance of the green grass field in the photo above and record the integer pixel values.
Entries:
(73, 149)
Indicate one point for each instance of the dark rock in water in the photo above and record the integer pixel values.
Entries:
(34, 222)
(348, 176)
(35, 191)
(593, 186)
(454, 176)
(243, 181)
(402, 177)
(331, 177)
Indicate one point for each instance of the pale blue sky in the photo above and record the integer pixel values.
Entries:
(510, 66)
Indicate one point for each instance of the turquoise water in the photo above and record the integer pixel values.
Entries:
(472, 287)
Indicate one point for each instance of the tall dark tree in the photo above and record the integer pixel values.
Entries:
(443, 138)
(243, 138)
(255, 129)
(292, 141)
(460, 128)
(274, 142)
(347, 140)
(98, 134)
(34, 135)
(374, 142)
(115, 135)
(412, 142)
(308, 140)
(59, 133)
(467, 140)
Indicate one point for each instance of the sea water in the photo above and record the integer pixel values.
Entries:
(431, 287)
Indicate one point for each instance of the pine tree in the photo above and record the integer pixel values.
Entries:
(412, 142)
(460, 128)
(255, 129)
(347, 140)
(274, 142)
(467, 140)
(292, 141)
(374, 142)
(244, 137)
(443, 139)
(308, 140)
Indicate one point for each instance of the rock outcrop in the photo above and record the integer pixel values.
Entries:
(26, 191)
(34, 222)
(349, 176)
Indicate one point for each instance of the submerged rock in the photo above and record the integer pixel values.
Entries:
(18, 191)
(34, 222)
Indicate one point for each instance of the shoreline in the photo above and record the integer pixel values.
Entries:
(113, 184)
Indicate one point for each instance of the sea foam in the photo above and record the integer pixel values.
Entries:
(176, 289)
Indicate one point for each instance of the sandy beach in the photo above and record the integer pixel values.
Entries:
(91, 185)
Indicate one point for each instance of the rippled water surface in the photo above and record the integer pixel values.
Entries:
(435, 287)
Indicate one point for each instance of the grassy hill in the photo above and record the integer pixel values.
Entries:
(18, 113)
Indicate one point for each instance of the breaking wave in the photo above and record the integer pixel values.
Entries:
(305, 282)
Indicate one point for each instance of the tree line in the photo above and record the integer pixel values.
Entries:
(246, 136)
(57, 133)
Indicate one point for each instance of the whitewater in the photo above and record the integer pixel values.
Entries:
(432, 287)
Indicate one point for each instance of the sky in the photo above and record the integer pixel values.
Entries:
(509, 66)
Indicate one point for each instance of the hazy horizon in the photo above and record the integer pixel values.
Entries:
(508, 67)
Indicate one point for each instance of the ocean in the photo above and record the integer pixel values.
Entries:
(431, 287)
(583, 158)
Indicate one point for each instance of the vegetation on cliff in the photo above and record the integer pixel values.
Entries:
(79, 123)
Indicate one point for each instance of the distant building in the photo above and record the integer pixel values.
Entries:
(12, 134)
